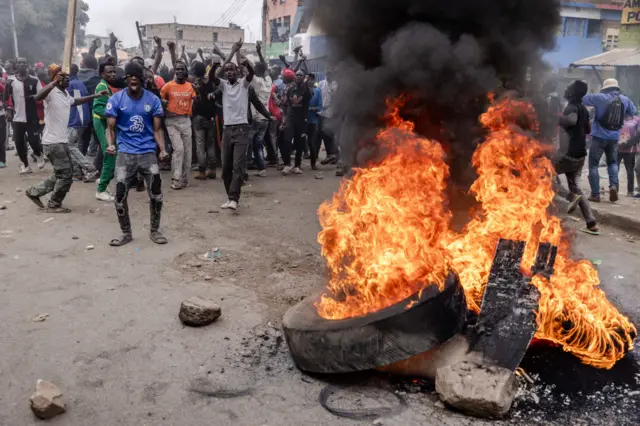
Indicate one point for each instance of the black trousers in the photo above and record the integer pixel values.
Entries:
(23, 133)
(3, 140)
(314, 142)
(235, 143)
(324, 133)
(629, 161)
(294, 128)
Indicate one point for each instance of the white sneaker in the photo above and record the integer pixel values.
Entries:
(287, 170)
(261, 173)
(226, 205)
(297, 171)
(233, 205)
(104, 196)
(22, 170)
(40, 162)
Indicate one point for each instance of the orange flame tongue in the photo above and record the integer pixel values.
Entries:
(386, 234)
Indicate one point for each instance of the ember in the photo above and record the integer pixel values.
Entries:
(387, 230)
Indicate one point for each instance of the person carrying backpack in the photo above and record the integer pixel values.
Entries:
(611, 109)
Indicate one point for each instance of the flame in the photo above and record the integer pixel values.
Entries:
(386, 233)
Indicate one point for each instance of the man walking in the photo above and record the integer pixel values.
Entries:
(179, 95)
(611, 109)
(136, 113)
(328, 88)
(23, 113)
(237, 130)
(573, 150)
(261, 84)
(57, 105)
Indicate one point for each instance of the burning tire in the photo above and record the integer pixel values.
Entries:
(401, 331)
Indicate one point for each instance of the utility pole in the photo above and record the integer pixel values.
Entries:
(70, 35)
(175, 24)
(13, 28)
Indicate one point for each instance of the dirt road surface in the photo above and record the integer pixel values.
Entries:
(111, 339)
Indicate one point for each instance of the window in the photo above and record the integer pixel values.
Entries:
(594, 28)
(215, 37)
(287, 23)
(180, 35)
(574, 27)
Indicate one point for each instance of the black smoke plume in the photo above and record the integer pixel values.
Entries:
(446, 55)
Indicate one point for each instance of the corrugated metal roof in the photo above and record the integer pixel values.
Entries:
(612, 58)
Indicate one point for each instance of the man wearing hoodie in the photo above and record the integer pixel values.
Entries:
(605, 137)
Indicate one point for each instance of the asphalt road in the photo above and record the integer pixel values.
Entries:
(114, 345)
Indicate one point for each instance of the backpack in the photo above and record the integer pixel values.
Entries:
(613, 118)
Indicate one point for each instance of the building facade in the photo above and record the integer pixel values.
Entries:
(588, 28)
(193, 37)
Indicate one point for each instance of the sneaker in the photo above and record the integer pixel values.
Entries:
(613, 194)
(233, 205)
(211, 174)
(261, 173)
(40, 162)
(105, 196)
(287, 170)
(22, 170)
(574, 204)
(594, 198)
(331, 159)
(175, 185)
(297, 171)
(226, 205)
(2, 165)
(200, 176)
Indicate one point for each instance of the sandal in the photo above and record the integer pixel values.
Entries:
(175, 185)
(590, 231)
(158, 238)
(121, 240)
(58, 209)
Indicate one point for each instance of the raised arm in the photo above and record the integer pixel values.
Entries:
(184, 56)
(302, 64)
(250, 71)
(217, 51)
(159, 51)
(172, 51)
(113, 40)
(284, 61)
(44, 92)
(259, 51)
(201, 55)
(235, 49)
(93, 48)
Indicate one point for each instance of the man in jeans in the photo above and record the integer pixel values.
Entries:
(178, 95)
(204, 112)
(605, 141)
(79, 119)
(57, 105)
(261, 84)
(328, 88)
(237, 130)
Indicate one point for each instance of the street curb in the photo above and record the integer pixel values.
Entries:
(621, 221)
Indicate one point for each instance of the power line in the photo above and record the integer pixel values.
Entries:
(226, 12)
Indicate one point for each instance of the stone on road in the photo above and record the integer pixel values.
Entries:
(47, 401)
(197, 312)
(480, 390)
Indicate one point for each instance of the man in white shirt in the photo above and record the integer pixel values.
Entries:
(55, 140)
(237, 130)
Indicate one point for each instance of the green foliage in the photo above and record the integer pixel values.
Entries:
(40, 25)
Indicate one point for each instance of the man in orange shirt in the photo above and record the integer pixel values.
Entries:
(178, 96)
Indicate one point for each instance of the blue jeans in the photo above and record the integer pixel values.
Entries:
(609, 148)
(260, 128)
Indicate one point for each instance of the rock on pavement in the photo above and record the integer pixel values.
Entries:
(479, 390)
(47, 401)
(197, 311)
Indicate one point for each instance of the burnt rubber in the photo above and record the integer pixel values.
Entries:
(381, 338)
(362, 413)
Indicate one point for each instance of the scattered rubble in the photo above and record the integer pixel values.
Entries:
(480, 390)
(40, 318)
(90, 247)
(197, 312)
(47, 401)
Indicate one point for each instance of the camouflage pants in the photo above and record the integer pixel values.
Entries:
(60, 182)
(128, 166)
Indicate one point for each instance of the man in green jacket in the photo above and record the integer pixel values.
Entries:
(108, 74)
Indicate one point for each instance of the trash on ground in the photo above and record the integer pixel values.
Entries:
(40, 318)
(90, 247)
(213, 254)
(596, 262)
(48, 220)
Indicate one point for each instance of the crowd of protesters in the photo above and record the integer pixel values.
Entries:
(108, 121)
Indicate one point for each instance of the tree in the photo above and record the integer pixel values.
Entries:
(40, 25)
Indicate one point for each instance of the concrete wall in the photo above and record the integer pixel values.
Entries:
(279, 9)
(193, 36)
(571, 49)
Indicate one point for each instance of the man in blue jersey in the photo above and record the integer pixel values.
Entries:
(136, 113)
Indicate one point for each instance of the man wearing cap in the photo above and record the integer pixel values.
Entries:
(603, 140)
(55, 140)
(136, 113)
